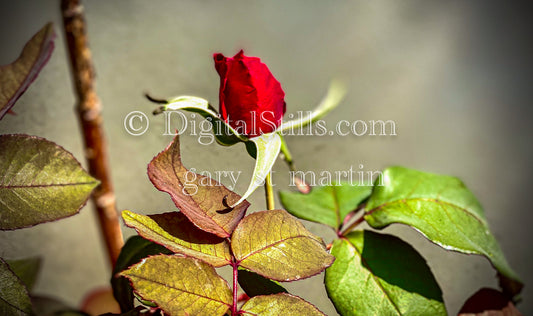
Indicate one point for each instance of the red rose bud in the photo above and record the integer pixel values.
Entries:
(251, 99)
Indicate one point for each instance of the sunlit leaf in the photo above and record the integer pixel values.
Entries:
(489, 302)
(265, 150)
(442, 209)
(134, 250)
(181, 285)
(174, 231)
(334, 96)
(14, 298)
(26, 270)
(39, 182)
(376, 274)
(327, 205)
(203, 200)
(279, 304)
(276, 245)
(224, 133)
(16, 77)
(254, 284)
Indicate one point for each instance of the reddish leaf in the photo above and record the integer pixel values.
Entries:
(489, 302)
(16, 77)
(203, 200)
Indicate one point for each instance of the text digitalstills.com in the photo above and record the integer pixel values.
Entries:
(137, 123)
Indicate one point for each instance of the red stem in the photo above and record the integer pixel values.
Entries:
(352, 226)
(235, 288)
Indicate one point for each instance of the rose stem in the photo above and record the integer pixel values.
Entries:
(235, 288)
(90, 119)
(352, 226)
(269, 192)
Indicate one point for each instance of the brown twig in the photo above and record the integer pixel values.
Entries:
(90, 118)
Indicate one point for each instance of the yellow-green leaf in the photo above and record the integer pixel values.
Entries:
(39, 182)
(181, 285)
(174, 231)
(279, 304)
(276, 245)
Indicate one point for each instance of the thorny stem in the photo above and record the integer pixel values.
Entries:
(269, 192)
(90, 119)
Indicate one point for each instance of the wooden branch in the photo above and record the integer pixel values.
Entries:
(90, 118)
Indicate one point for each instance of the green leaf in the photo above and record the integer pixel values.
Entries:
(334, 96)
(327, 205)
(39, 182)
(14, 298)
(16, 77)
(224, 133)
(254, 284)
(276, 245)
(203, 200)
(265, 150)
(181, 285)
(442, 209)
(279, 304)
(26, 270)
(134, 250)
(376, 274)
(174, 231)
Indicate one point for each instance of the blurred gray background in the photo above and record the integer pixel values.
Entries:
(455, 76)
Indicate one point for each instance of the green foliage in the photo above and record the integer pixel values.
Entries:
(279, 304)
(376, 274)
(39, 182)
(14, 298)
(15, 78)
(188, 286)
(443, 210)
(206, 202)
(327, 205)
(277, 246)
(26, 270)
